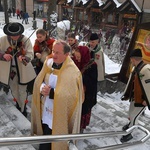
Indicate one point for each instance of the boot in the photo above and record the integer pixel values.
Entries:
(25, 111)
(17, 106)
(143, 113)
(124, 128)
(126, 138)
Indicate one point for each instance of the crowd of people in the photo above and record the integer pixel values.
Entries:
(65, 77)
(20, 14)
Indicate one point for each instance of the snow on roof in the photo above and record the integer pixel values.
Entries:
(64, 24)
(84, 1)
(135, 4)
(100, 2)
(68, 1)
(117, 3)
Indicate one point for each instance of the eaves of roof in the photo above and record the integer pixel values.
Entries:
(128, 6)
(109, 6)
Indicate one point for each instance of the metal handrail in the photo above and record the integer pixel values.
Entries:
(57, 138)
(53, 138)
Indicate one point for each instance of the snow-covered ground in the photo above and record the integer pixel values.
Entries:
(109, 114)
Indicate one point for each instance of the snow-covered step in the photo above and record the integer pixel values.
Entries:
(13, 123)
(115, 106)
(110, 114)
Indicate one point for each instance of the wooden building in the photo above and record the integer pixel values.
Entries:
(89, 12)
(129, 13)
(108, 14)
(110, 18)
(64, 9)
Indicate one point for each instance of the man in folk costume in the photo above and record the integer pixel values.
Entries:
(57, 97)
(137, 90)
(97, 54)
(17, 51)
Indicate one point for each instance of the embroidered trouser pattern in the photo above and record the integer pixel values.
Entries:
(18, 91)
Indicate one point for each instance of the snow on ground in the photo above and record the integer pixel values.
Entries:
(109, 114)
(110, 66)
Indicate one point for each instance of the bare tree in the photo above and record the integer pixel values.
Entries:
(24, 4)
(14, 3)
(1, 8)
(6, 11)
(51, 9)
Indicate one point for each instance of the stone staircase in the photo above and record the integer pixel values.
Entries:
(109, 114)
(13, 123)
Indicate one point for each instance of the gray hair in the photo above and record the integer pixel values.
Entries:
(66, 46)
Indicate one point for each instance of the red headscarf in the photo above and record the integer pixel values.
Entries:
(85, 57)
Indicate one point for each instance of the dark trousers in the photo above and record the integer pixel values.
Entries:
(46, 131)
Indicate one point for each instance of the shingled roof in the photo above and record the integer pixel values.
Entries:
(84, 5)
(110, 5)
(129, 6)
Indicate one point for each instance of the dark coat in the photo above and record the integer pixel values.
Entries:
(90, 85)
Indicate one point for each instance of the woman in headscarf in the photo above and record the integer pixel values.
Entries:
(88, 69)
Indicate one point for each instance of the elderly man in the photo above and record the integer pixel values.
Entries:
(57, 97)
(137, 90)
(97, 54)
(16, 50)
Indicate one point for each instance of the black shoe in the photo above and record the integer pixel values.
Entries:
(143, 113)
(126, 138)
(25, 111)
(17, 106)
(124, 128)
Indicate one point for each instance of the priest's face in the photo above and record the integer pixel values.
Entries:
(58, 53)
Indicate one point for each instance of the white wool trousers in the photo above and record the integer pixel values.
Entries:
(134, 113)
(18, 91)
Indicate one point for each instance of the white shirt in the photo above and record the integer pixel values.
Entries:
(47, 116)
